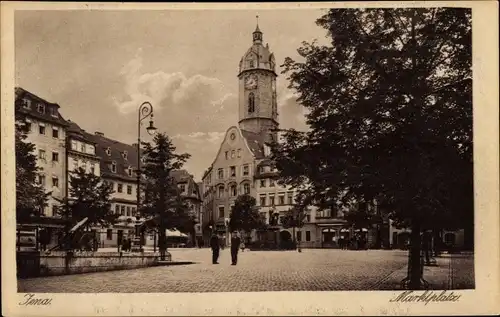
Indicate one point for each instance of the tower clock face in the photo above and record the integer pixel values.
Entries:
(251, 82)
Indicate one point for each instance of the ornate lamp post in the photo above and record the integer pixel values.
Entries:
(145, 111)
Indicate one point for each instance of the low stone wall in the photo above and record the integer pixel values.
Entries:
(33, 264)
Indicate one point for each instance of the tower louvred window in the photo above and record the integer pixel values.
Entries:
(251, 103)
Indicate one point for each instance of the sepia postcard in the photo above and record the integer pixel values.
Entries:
(331, 158)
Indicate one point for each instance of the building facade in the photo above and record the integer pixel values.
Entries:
(47, 131)
(118, 165)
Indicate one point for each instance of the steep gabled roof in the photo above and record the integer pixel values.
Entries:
(255, 142)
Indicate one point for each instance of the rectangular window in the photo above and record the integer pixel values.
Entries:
(221, 212)
(55, 157)
(232, 154)
(246, 188)
(271, 200)
(299, 235)
(290, 198)
(220, 191)
(246, 170)
(227, 155)
(74, 145)
(109, 234)
(262, 183)
(262, 200)
(234, 191)
(90, 149)
(53, 111)
(123, 210)
(55, 132)
(117, 209)
(128, 211)
(82, 148)
(92, 168)
(182, 188)
(129, 189)
(54, 210)
(308, 235)
(262, 169)
(220, 173)
(233, 171)
(239, 153)
(113, 167)
(282, 199)
(41, 129)
(133, 211)
(41, 108)
(41, 154)
(41, 179)
(120, 188)
(55, 181)
(271, 183)
(28, 125)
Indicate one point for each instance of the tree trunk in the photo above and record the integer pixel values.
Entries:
(162, 243)
(414, 258)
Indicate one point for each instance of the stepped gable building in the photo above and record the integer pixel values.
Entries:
(47, 131)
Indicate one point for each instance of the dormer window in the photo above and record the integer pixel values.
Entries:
(108, 151)
(53, 111)
(129, 170)
(113, 167)
(251, 64)
(41, 108)
(125, 154)
(26, 103)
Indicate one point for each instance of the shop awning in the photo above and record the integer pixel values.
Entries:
(175, 233)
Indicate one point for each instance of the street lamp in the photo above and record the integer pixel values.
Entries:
(145, 111)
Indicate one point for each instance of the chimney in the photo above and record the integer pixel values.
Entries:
(99, 133)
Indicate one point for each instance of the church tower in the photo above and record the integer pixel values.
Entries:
(258, 111)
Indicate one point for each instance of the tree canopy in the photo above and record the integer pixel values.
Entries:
(245, 214)
(390, 112)
(89, 197)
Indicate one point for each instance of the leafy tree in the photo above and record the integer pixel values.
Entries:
(31, 198)
(390, 115)
(88, 197)
(245, 214)
(162, 204)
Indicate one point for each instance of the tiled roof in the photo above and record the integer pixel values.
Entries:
(33, 112)
(255, 142)
(117, 150)
(182, 176)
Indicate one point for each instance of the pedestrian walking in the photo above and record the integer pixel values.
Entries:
(215, 245)
(235, 246)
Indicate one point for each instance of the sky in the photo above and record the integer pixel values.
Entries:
(99, 66)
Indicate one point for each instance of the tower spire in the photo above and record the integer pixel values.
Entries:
(257, 34)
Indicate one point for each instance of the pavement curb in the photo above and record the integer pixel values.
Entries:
(171, 263)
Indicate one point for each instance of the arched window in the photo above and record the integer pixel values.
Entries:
(251, 103)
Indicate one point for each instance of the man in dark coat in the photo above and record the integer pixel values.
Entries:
(235, 246)
(215, 245)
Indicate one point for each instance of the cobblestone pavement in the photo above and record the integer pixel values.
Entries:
(462, 271)
(311, 270)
